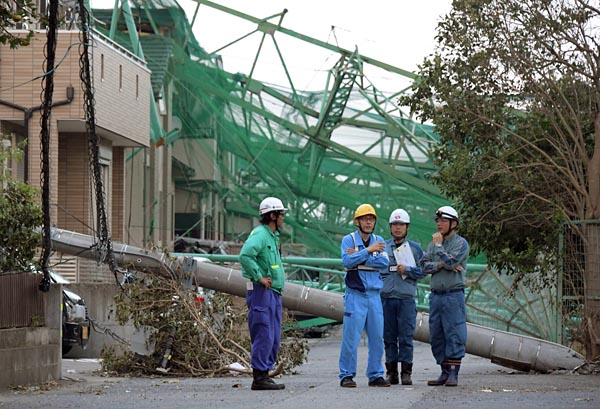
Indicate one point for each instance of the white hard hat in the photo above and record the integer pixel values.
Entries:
(446, 212)
(399, 216)
(271, 204)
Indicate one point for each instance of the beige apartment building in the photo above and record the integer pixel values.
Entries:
(122, 94)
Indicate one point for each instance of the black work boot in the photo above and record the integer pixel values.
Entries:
(347, 382)
(441, 380)
(262, 382)
(392, 372)
(379, 382)
(454, 365)
(405, 372)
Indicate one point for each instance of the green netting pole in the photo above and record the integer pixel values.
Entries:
(156, 131)
(559, 285)
(114, 21)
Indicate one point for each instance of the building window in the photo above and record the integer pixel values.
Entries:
(120, 77)
(106, 175)
(101, 67)
(137, 86)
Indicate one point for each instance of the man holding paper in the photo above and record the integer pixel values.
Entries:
(398, 298)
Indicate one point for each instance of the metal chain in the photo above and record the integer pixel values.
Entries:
(101, 329)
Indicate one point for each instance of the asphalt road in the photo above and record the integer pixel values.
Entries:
(315, 385)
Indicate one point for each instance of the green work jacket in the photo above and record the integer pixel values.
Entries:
(260, 257)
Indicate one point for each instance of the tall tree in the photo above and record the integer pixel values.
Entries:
(514, 91)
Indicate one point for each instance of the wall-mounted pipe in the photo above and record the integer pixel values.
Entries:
(503, 348)
(27, 114)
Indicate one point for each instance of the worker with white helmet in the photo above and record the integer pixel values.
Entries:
(398, 298)
(364, 258)
(261, 263)
(446, 261)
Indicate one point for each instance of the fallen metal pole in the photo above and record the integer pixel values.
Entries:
(503, 348)
(510, 350)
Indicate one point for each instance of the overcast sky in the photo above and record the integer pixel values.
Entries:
(400, 33)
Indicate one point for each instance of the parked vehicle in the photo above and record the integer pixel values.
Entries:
(75, 322)
(75, 319)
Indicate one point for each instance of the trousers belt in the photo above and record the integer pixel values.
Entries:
(363, 268)
(442, 292)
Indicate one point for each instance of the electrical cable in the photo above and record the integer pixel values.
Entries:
(47, 94)
(105, 250)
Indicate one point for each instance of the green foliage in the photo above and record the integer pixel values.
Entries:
(119, 362)
(20, 214)
(513, 91)
(13, 12)
(207, 337)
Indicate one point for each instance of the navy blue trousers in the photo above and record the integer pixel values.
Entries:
(399, 321)
(264, 323)
(447, 326)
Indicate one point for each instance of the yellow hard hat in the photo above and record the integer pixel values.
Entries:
(363, 210)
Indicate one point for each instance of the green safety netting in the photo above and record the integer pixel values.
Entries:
(322, 152)
(493, 301)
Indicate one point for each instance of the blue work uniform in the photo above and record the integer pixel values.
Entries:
(399, 306)
(259, 258)
(447, 310)
(362, 305)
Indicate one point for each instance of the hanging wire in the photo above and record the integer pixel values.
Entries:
(332, 33)
(104, 247)
(47, 94)
(43, 75)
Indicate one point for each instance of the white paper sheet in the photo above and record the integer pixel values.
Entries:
(404, 256)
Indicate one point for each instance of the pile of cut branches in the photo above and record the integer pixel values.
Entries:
(191, 338)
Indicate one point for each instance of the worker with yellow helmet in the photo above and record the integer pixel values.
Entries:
(363, 257)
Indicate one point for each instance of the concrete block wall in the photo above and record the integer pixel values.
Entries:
(99, 299)
(32, 355)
